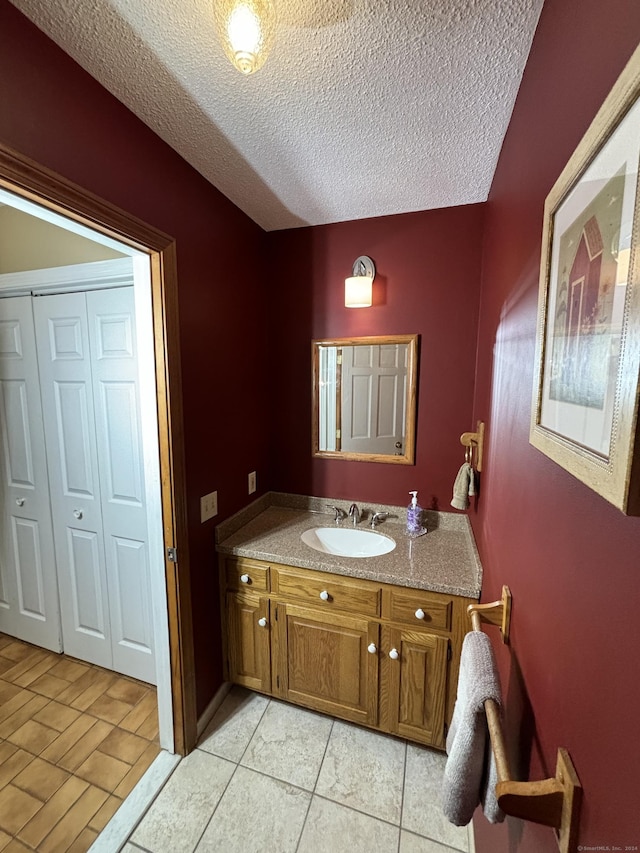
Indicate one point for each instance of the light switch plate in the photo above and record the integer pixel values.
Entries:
(252, 482)
(208, 506)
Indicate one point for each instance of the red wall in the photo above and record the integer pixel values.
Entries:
(571, 560)
(55, 113)
(427, 282)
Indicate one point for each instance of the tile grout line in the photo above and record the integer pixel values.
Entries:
(262, 715)
(404, 780)
(315, 785)
(237, 763)
(365, 814)
(207, 824)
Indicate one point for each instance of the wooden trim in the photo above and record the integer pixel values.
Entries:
(23, 176)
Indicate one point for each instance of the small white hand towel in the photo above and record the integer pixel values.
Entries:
(470, 774)
(463, 487)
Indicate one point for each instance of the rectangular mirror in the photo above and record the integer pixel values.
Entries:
(364, 398)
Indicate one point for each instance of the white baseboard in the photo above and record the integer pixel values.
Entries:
(209, 712)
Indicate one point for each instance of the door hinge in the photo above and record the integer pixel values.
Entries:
(339, 358)
(338, 433)
(172, 555)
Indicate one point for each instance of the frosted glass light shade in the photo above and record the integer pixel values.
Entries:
(246, 29)
(358, 291)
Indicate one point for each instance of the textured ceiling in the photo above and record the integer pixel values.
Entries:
(364, 107)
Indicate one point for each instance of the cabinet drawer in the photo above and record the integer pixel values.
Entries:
(417, 608)
(325, 590)
(247, 574)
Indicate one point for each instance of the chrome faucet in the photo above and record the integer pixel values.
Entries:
(339, 513)
(377, 517)
(354, 513)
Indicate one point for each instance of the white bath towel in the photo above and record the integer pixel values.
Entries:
(470, 774)
(463, 487)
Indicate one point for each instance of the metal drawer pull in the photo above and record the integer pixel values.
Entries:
(245, 578)
(324, 595)
(394, 654)
(372, 648)
(419, 613)
(262, 622)
(77, 513)
(20, 501)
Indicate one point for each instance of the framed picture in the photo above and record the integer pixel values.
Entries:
(586, 382)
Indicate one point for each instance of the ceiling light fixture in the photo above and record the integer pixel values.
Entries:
(246, 29)
(358, 289)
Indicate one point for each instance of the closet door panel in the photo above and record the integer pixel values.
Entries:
(29, 606)
(29, 568)
(131, 611)
(121, 435)
(64, 358)
(72, 414)
(85, 583)
(111, 318)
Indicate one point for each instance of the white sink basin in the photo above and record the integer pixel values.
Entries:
(348, 542)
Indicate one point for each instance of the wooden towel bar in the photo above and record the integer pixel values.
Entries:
(553, 802)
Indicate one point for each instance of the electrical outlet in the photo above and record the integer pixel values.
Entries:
(252, 482)
(208, 506)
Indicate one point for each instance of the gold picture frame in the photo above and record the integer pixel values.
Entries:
(587, 367)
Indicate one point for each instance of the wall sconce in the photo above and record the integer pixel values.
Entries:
(358, 287)
(246, 29)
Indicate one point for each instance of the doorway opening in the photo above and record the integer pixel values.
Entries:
(151, 256)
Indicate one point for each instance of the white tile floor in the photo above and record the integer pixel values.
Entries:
(268, 776)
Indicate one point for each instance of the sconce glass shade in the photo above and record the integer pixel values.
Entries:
(358, 291)
(246, 29)
(358, 288)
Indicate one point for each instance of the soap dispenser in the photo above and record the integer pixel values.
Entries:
(414, 516)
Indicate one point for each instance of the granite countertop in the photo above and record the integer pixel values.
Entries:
(444, 559)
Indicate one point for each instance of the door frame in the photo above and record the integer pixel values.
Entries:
(26, 178)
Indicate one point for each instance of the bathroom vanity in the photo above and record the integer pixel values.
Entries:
(376, 640)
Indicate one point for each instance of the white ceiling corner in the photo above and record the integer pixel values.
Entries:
(364, 107)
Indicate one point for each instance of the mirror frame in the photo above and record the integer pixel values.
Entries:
(408, 457)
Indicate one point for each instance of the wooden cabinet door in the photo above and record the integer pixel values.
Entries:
(415, 684)
(324, 662)
(248, 641)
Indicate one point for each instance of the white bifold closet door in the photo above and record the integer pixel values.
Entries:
(28, 589)
(88, 373)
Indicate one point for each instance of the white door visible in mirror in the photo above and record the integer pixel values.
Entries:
(364, 396)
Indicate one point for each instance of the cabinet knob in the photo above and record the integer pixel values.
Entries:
(245, 578)
(419, 613)
(262, 622)
(372, 648)
(324, 595)
(77, 513)
(394, 654)
(20, 501)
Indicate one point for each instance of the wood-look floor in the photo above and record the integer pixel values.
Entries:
(74, 740)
